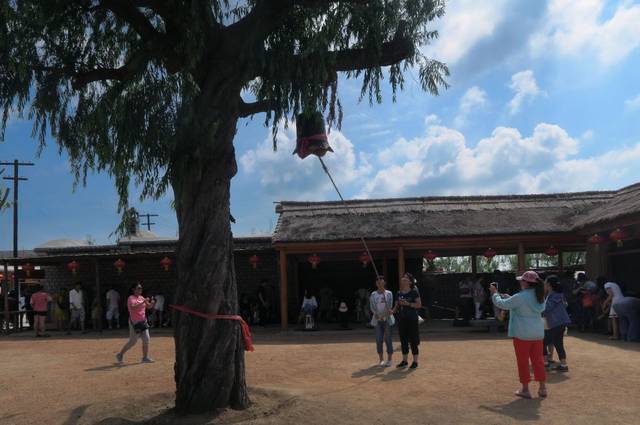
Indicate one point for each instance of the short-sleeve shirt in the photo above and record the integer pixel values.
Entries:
(136, 313)
(617, 292)
(39, 301)
(407, 312)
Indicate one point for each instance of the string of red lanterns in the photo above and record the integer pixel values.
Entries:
(552, 251)
(166, 263)
(618, 236)
(27, 268)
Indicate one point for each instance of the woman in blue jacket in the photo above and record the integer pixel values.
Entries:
(526, 328)
(557, 318)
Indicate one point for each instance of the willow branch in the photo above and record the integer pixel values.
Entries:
(252, 108)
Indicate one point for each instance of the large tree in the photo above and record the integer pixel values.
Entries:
(151, 91)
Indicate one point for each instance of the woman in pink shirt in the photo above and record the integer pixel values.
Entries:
(138, 326)
(40, 304)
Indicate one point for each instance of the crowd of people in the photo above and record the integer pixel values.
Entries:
(76, 309)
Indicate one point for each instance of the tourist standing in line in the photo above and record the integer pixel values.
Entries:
(479, 296)
(526, 328)
(113, 307)
(158, 310)
(40, 302)
(557, 319)
(61, 309)
(76, 305)
(382, 320)
(138, 325)
(407, 306)
(614, 295)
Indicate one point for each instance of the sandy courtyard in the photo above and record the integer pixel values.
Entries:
(321, 378)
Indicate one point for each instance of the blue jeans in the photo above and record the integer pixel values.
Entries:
(381, 337)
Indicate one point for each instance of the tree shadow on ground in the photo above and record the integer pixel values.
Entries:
(603, 340)
(520, 409)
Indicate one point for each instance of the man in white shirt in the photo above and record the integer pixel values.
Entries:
(76, 306)
(113, 307)
(158, 310)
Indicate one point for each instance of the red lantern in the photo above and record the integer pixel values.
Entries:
(489, 254)
(552, 251)
(166, 262)
(119, 264)
(254, 260)
(618, 235)
(596, 240)
(314, 259)
(430, 256)
(364, 259)
(28, 268)
(73, 266)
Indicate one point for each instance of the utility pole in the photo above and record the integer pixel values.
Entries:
(16, 180)
(148, 223)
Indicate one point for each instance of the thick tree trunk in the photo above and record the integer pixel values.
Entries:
(209, 368)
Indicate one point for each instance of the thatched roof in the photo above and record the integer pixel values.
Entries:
(434, 217)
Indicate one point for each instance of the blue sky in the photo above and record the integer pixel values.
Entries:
(544, 97)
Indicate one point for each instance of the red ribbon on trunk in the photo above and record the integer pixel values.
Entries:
(246, 333)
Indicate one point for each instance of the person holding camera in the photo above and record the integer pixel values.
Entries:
(138, 325)
(526, 327)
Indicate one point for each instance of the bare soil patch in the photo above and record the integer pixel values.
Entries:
(320, 378)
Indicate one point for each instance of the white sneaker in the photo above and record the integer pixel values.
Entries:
(383, 363)
(387, 364)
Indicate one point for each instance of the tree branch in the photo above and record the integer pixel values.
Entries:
(390, 53)
(128, 12)
(247, 109)
(135, 64)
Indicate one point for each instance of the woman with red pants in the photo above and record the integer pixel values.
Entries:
(526, 327)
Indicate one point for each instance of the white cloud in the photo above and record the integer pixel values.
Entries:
(472, 99)
(431, 119)
(526, 88)
(287, 176)
(574, 27)
(465, 23)
(632, 104)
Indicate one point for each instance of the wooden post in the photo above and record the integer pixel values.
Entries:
(560, 261)
(98, 294)
(474, 264)
(521, 258)
(284, 305)
(5, 293)
(401, 264)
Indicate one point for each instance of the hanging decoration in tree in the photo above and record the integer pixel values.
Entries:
(489, 254)
(73, 267)
(119, 264)
(27, 268)
(552, 251)
(364, 259)
(430, 256)
(311, 136)
(254, 260)
(166, 263)
(618, 236)
(314, 259)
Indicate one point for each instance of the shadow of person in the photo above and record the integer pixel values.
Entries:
(111, 367)
(519, 409)
(76, 415)
(396, 374)
(369, 371)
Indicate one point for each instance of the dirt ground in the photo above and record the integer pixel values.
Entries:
(319, 378)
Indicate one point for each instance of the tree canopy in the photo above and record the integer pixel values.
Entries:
(116, 81)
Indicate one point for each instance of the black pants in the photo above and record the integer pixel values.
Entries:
(555, 336)
(409, 334)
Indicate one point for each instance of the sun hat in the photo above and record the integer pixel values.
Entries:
(530, 276)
